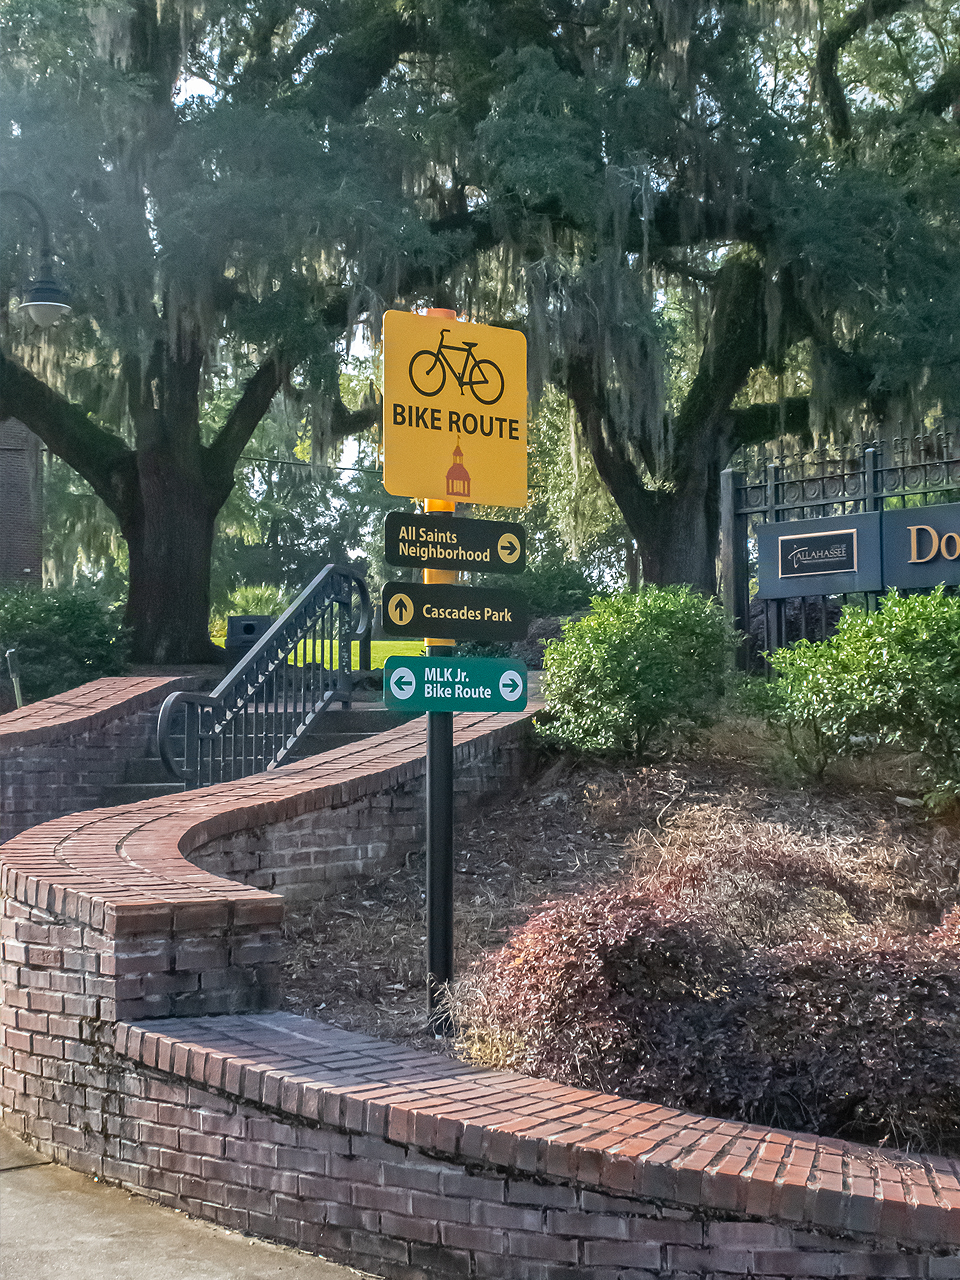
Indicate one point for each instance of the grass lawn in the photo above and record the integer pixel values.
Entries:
(380, 650)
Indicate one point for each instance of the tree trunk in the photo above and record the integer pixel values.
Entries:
(165, 493)
(170, 541)
(675, 528)
(674, 515)
(678, 543)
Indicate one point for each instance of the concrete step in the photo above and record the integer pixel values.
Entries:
(339, 728)
(369, 717)
(148, 769)
(314, 744)
(134, 792)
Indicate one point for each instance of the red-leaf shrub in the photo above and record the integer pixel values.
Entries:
(618, 990)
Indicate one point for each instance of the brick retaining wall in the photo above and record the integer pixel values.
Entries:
(58, 755)
(368, 825)
(402, 1162)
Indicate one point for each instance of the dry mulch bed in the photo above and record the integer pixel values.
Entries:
(356, 958)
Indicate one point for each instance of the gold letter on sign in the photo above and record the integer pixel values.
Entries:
(934, 543)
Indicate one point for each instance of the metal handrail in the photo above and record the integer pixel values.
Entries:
(257, 714)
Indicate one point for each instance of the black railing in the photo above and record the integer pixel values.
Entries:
(257, 714)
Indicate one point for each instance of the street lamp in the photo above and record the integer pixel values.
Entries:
(45, 302)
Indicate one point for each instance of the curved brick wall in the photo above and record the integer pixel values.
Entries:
(399, 1161)
(56, 756)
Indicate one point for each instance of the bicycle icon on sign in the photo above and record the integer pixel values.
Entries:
(428, 372)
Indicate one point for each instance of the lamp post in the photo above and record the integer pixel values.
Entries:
(20, 476)
(45, 302)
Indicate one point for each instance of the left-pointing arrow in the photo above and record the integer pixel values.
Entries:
(402, 683)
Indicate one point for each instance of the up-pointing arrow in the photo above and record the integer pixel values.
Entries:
(400, 607)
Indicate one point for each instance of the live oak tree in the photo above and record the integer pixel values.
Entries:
(254, 220)
(193, 228)
(589, 171)
(678, 151)
(628, 162)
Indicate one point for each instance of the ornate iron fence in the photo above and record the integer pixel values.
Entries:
(257, 714)
(774, 486)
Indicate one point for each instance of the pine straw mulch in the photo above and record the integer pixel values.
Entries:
(356, 958)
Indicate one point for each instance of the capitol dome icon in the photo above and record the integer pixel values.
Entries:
(458, 477)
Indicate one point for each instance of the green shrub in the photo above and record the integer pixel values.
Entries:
(63, 638)
(261, 601)
(553, 588)
(634, 665)
(887, 678)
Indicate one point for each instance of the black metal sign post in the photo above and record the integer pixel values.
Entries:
(439, 857)
(420, 459)
(465, 613)
(439, 817)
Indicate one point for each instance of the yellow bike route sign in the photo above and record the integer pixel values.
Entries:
(454, 410)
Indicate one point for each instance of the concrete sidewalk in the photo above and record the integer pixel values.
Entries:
(55, 1224)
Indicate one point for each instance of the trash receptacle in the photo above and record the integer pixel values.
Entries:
(242, 634)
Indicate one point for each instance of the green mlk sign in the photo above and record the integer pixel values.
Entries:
(455, 684)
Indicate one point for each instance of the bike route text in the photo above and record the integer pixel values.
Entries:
(468, 423)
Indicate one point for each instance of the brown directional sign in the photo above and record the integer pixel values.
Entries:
(445, 542)
(413, 609)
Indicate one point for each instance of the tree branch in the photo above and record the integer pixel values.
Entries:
(761, 422)
(677, 221)
(828, 55)
(737, 344)
(103, 459)
(942, 94)
(223, 453)
(350, 422)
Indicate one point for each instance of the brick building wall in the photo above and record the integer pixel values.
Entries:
(21, 514)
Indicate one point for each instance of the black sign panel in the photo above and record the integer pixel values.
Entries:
(814, 553)
(819, 557)
(451, 542)
(413, 609)
(921, 546)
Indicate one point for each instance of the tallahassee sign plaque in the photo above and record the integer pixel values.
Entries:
(819, 557)
(814, 553)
